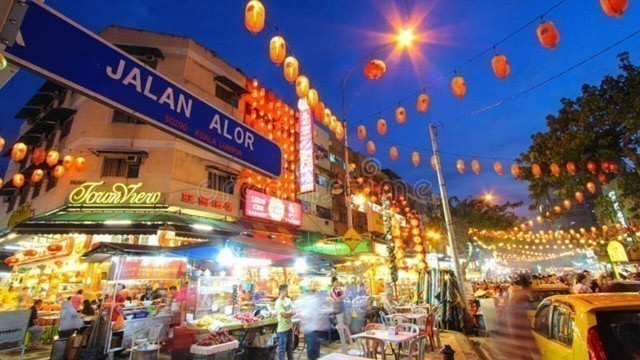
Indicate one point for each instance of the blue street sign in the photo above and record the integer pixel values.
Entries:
(63, 51)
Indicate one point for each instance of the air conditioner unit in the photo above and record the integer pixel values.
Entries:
(133, 158)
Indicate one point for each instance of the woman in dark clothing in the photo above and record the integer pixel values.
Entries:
(87, 309)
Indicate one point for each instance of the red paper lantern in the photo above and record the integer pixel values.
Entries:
(605, 166)
(39, 155)
(58, 263)
(475, 166)
(80, 163)
(382, 126)
(548, 35)
(571, 168)
(18, 152)
(54, 248)
(497, 167)
(591, 187)
(614, 7)
(374, 69)
(18, 180)
(58, 171)
(515, 170)
(423, 103)
(401, 115)
(458, 86)
(11, 260)
(362, 132)
(30, 253)
(602, 178)
(592, 167)
(318, 111)
(500, 66)
(555, 169)
(460, 166)
(613, 167)
(579, 197)
(536, 171)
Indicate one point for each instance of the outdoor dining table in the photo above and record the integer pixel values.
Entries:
(340, 356)
(387, 337)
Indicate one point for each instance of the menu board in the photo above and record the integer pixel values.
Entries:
(144, 268)
(13, 326)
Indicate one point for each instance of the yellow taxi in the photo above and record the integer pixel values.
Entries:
(588, 326)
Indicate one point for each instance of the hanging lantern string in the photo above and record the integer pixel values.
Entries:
(470, 60)
(542, 83)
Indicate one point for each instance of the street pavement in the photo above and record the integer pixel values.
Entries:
(463, 347)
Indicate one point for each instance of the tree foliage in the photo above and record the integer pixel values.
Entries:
(603, 124)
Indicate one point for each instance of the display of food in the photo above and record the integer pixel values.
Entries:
(267, 315)
(246, 318)
(215, 321)
(216, 338)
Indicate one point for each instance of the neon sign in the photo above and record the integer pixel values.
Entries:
(262, 206)
(119, 194)
(307, 183)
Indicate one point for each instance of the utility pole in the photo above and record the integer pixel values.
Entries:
(447, 216)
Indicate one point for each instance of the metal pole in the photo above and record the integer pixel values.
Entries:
(447, 215)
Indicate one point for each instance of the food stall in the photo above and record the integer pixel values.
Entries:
(132, 265)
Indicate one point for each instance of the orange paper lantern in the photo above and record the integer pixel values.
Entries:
(591, 187)
(54, 248)
(567, 204)
(371, 147)
(393, 153)
(382, 127)
(460, 166)
(313, 98)
(374, 69)
(571, 168)
(11, 260)
(30, 252)
(277, 50)
(53, 157)
(67, 162)
(254, 15)
(433, 162)
(39, 155)
(602, 178)
(536, 171)
(500, 66)
(515, 170)
(497, 166)
(80, 163)
(579, 196)
(415, 158)
(592, 167)
(302, 86)
(605, 166)
(2, 142)
(557, 209)
(18, 180)
(614, 7)
(18, 152)
(362, 132)
(458, 86)
(475, 166)
(548, 35)
(37, 175)
(326, 120)
(58, 171)
(290, 69)
(401, 115)
(318, 111)
(613, 167)
(555, 169)
(423, 103)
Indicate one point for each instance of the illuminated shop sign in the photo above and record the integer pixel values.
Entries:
(306, 147)
(92, 193)
(265, 207)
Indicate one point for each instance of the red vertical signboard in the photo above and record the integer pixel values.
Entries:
(307, 175)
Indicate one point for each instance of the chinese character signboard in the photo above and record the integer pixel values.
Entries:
(144, 268)
(306, 148)
(265, 207)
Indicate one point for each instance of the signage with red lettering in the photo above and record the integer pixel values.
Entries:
(143, 268)
(207, 202)
(265, 207)
(307, 183)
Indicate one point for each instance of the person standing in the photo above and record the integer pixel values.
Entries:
(148, 295)
(314, 315)
(70, 321)
(35, 329)
(581, 286)
(337, 296)
(284, 311)
(76, 300)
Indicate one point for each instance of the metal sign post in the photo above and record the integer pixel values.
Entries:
(57, 48)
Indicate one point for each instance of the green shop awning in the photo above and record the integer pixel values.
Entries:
(322, 244)
(123, 221)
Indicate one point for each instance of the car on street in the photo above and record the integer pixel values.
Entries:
(602, 326)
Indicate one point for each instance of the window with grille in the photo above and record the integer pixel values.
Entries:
(120, 167)
(227, 95)
(66, 128)
(221, 181)
(124, 118)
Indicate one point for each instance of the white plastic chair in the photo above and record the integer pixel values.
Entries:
(151, 334)
(348, 348)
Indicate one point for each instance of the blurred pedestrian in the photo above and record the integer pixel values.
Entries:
(313, 310)
(581, 286)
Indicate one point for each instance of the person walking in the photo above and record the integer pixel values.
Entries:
(284, 311)
(337, 296)
(313, 309)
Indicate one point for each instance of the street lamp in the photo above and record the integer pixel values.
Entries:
(488, 197)
(404, 38)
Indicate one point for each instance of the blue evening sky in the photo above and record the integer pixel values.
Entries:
(329, 36)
